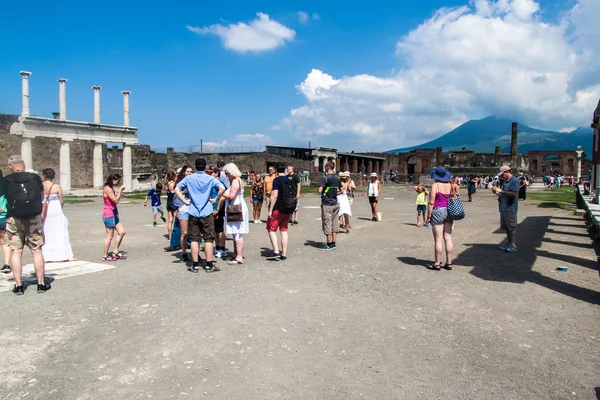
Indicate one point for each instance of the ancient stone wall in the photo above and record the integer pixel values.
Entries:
(258, 162)
(9, 144)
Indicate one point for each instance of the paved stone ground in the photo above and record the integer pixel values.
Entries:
(365, 321)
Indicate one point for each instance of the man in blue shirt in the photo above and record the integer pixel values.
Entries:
(508, 206)
(201, 222)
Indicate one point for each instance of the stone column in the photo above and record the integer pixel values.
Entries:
(65, 164)
(98, 166)
(369, 166)
(316, 164)
(354, 166)
(62, 98)
(96, 104)
(513, 140)
(127, 171)
(126, 94)
(26, 153)
(25, 82)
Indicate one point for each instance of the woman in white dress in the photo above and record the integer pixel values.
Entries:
(235, 196)
(345, 210)
(56, 225)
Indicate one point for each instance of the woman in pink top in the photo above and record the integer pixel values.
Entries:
(437, 216)
(110, 216)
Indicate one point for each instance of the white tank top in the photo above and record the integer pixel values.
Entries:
(373, 190)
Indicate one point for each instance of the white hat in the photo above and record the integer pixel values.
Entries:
(373, 174)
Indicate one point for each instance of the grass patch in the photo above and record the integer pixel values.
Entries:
(77, 201)
(555, 204)
(135, 196)
(562, 195)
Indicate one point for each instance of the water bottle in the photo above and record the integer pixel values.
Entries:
(429, 225)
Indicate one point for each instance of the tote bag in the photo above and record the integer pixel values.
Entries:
(456, 210)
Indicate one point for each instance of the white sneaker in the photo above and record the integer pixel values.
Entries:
(217, 253)
(223, 253)
(503, 247)
(511, 248)
(260, 222)
(255, 221)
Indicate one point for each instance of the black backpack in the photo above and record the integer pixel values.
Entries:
(24, 195)
(286, 200)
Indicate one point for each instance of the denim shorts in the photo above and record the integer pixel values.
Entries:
(184, 213)
(2, 224)
(421, 208)
(257, 199)
(111, 222)
(157, 210)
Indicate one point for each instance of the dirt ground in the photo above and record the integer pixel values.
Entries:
(367, 320)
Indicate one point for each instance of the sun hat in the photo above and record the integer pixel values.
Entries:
(373, 174)
(504, 168)
(347, 174)
(341, 174)
(440, 174)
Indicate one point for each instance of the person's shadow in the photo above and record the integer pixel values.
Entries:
(312, 243)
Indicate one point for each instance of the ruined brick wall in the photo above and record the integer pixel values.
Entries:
(9, 144)
(82, 164)
(257, 162)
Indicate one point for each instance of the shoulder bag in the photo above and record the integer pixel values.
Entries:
(234, 211)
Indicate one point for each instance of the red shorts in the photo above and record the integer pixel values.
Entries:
(278, 220)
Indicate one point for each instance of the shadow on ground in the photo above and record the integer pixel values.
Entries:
(490, 264)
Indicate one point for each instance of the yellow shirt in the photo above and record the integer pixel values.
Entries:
(422, 199)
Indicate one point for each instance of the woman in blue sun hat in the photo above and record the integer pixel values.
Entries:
(437, 216)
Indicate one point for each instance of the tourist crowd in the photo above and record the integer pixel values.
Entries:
(206, 203)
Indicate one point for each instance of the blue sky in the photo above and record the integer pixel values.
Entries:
(188, 86)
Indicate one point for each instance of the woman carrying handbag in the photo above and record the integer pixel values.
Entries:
(236, 212)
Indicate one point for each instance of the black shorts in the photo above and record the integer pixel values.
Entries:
(372, 199)
(220, 221)
(171, 206)
(201, 228)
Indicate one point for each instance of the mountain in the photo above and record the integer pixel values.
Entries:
(485, 134)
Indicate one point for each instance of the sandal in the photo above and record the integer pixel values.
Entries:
(108, 259)
(235, 262)
(434, 267)
(448, 267)
(121, 255)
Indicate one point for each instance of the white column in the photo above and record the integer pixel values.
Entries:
(65, 164)
(126, 94)
(96, 104)
(25, 82)
(26, 152)
(98, 166)
(127, 171)
(62, 98)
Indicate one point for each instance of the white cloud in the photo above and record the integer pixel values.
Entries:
(304, 17)
(257, 138)
(261, 34)
(496, 57)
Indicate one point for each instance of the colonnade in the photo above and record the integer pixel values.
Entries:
(30, 127)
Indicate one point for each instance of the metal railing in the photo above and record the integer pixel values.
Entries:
(209, 149)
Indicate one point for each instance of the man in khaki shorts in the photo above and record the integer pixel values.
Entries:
(329, 187)
(24, 227)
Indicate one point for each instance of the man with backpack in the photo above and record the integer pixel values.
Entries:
(329, 186)
(281, 207)
(24, 227)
